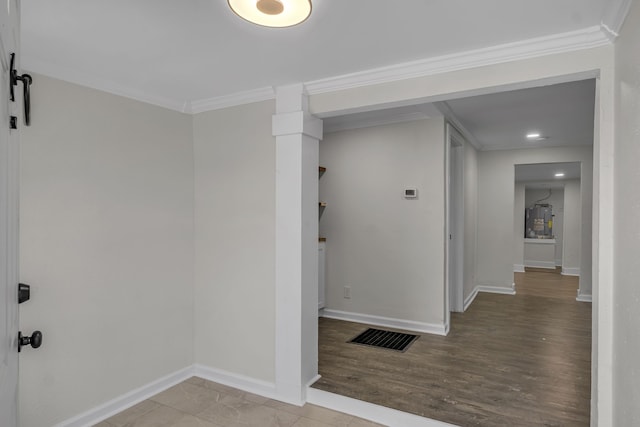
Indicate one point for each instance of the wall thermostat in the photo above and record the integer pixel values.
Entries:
(411, 193)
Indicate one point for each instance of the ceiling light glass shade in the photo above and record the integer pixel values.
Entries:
(272, 13)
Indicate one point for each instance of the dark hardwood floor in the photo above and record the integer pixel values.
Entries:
(521, 360)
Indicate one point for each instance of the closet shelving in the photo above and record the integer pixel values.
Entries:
(321, 204)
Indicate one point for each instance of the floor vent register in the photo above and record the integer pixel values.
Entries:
(385, 339)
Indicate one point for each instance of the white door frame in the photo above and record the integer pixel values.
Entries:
(9, 158)
(592, 65)
(454, 229)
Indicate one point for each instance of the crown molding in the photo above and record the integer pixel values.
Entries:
(558, 43)
(613, 17)
(84, 79)
(448, 113)
(376, 121)
(225, 101)
(587, 38)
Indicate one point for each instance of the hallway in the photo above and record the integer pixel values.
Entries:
(522, 360)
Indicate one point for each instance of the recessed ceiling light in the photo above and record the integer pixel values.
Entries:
(559, 175)
(272, 13)
(533, 135)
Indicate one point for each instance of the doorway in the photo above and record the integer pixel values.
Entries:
(454, 237)
(447, 233)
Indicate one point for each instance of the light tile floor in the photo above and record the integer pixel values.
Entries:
(200, 403)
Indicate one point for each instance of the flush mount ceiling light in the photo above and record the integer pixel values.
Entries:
(535, 136)
(272, 13)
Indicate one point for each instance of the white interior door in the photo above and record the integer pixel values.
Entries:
(9, 24)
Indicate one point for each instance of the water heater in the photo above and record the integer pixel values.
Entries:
(538, 222)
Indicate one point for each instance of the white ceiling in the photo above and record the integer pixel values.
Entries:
(563, 113)
(173, 52)
(541, 175)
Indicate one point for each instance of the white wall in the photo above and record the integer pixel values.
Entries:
(470, 218)
(388, 249)
(557, 202)
(496, 191)
(518, 227)
(572, 235)
(465, 83)
(235, 240)
(626, 343)
(107, 245)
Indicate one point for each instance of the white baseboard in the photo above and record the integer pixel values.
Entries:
(558, 263)
(584, 297)
(492, 289)
(241, 382)
(369, 411)
(568, 271)
(489, 289)
(127, 400)
(389, 322)
(468, 300)
(518, 268)
(540, 264)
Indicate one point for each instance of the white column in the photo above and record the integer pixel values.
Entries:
(297, 140)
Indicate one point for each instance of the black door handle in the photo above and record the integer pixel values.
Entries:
(35, 340)
(26, 91)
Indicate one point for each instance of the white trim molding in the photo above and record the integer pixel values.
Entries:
(376, 121)
(584, 297)
(492, 289)
(540, 264)
(448, 113)
(91, 81)
(518, 268)
(469, 299)
(369, 411)
(614, 15)
(570, 271)
(388, 322)
(540, 46)
(231, 100)
(240, 382)
(127, 400)
(586, 38)
(488, 289)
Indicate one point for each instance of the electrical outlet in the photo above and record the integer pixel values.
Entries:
(347, 292)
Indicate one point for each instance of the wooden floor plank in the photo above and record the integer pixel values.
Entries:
(521, 360)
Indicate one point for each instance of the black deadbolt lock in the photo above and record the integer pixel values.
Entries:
(24, 293)
(35, 340)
